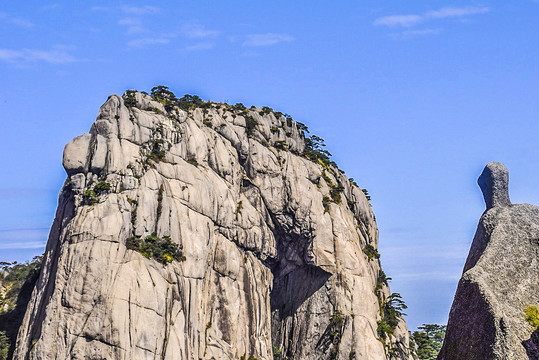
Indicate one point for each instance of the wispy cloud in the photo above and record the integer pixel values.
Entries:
(144, 42)
(54, 56)
(23, 245)
(205, 45)
(412, 34)
(20, 22)
(195, 31)
(133, 26)
(141, 10)
(266, 39)
(23, 238)
(100, 8)
(409, 20)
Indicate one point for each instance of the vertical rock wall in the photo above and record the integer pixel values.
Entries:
(274, 267)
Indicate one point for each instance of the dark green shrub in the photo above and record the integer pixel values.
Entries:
(325, 202)
(130, 99)
(101, 187)
(281, 145)
(250, 124)
(366, 192)
(188, 102)
(89, 197)
(382, 280)
(162, 250)
(238, 107)
(314, 151)
(164, 96)
(371, 252)
(428, 339)
(4, 346)
(392, 310)
(157, 153)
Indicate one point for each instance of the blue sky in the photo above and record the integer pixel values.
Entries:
(413, 99)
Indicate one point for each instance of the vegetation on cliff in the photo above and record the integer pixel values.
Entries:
(16, 284)
(428, 340)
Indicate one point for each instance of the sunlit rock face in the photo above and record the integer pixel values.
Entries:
(273, 263)
(500, 280)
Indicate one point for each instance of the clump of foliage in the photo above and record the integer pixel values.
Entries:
(382, 280)
(18, 280)
(391, 310)
(101, 187)
(166, 97)
(325, 202)
(157, 153)
(371, 252)
(335, 190)
(265, 110)
(336, 323)
(129, 98)
(89, 197)
(163, 250)
(314, 150)
(281, 145)
(366, 192)
(169, 100)
(429, 339)
(4, 345)
(208, 123)
(250, 124)
(336, 326)
(532, 315)
(251, 357)
(188, 102)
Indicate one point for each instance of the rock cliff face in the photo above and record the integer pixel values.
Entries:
(499, 281)
(278, 252)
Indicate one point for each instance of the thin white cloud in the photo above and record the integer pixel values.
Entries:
(16, 21)
(141, 10)
(266, 39)
(22, 22)
(23, 238)
(144, 42)
(100, 8)
(205, 45)
(195, 31)
(414, 19)
(54, 56)
(23, 245)
(455, 12)
(399, 20)
(412, 34)
(133, 26)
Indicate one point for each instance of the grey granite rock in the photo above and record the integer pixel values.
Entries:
(269, 263)
(494, 183)
(500, 279)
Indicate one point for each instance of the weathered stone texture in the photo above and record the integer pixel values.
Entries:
(499, 281)
(266, 265)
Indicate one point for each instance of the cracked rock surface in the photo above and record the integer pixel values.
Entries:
(269, 260)
(500, 279)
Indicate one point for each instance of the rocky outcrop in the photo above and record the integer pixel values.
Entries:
(276, 253)
(500, 279)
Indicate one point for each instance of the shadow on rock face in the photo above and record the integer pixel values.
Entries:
(532, 346)
(291, 290)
